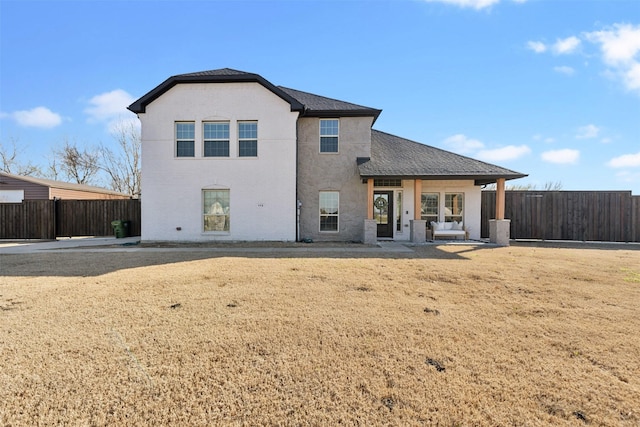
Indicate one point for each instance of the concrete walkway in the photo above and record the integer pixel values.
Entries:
(130, 244)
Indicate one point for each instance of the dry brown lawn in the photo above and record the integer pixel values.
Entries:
(449, 335)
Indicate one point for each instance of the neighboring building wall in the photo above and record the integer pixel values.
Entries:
(333, 172)
(262, 189)
(32, 191)
(472, 201)
(66, 194)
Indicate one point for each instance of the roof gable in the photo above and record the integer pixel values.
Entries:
(224, 75)
(306, 103)
(393, 156)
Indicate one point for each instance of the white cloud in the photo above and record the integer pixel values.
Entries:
(606, 140)
(565, 156)
(109, 106)
(620, 48)
(39, 117)
(509, 152)
(475, 4)
(625, 161)
(461, 144)
(588, 132)
(619, 45)
(537, 47)
(563, 69)
(566, 46)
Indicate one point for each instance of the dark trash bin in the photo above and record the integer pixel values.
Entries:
(127, 228)
(118, 229)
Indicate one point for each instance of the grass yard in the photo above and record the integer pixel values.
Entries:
(449, 335)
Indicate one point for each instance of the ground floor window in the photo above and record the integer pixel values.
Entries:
(429, 207)
(329, 205)
(453, 207)
(216, 212)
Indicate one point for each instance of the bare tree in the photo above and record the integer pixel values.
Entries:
(10, 162)
(548, 186)
(77, 165)
(123, 166)
(553, 186)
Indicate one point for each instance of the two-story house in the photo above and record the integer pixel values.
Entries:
(227, 155)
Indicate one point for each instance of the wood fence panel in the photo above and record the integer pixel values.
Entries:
(31, 219)
(567, 215)
(48, 219)
(94, 217)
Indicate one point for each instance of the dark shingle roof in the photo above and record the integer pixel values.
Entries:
(392, 156)
(223, 75)
(321, 106)
(63, 185)
(306, 103)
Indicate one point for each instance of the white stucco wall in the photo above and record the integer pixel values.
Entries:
(472, 201)
(262, 189)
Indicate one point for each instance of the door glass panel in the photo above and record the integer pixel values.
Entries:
(381, 208)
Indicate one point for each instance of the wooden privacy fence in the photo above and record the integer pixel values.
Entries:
(48, 219)
(612, 216)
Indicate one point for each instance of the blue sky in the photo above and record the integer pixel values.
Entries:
(550, 88)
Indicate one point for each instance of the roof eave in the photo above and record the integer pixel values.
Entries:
(140, 105)
(370, 112)
(478, 179)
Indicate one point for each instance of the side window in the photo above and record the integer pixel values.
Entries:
(216, 139)
(329, 131)
(185, 139)
(453, 206)
(216, 210)
(329, 206)
(247, 139)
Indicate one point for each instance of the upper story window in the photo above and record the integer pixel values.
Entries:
(329, 129)
(216, 139)
(185, 139)
(247, 139)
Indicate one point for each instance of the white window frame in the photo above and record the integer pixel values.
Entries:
(247, 139)
(336, 136)
(205, 139)
(321, 214)
(177, 139)
(429, 217)
(449, 217)
(216, 213)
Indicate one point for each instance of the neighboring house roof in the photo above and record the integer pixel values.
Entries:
(306, 103)
(392, 156)
(62, 185)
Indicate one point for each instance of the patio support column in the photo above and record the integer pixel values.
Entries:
(499, 228)
(370, 225)
(500, 198)
(418, 226)
(417, 194)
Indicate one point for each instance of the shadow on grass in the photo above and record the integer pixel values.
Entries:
(95, 262)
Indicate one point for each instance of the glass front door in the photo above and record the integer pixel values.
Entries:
(383, 212)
